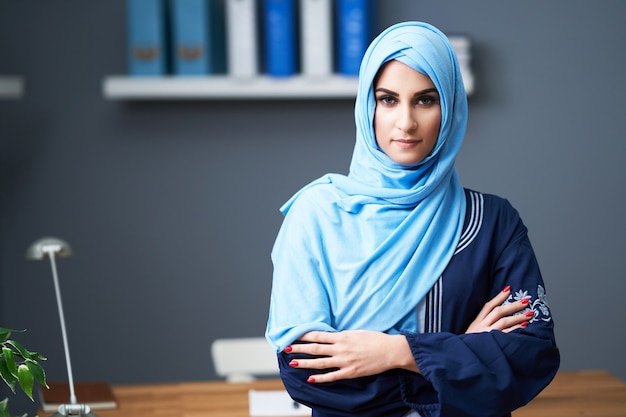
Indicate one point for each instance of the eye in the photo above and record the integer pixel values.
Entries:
(427, 100)
(386, 100)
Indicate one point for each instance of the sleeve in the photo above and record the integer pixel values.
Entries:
(373, 396)
(492, 373)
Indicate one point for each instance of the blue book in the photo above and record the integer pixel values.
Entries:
(147, 49)
(355, 29)
(198, 40)
(280, 37)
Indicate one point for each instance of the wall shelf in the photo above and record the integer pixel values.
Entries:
(229, 88)
(11, 87)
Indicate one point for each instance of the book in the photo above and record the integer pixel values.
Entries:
(316, 37)
(98, 395)
(197, 34)
(274, 403)
(280, 41)
(242, 49)
(355, 21)
(147, 49)
(462, 49)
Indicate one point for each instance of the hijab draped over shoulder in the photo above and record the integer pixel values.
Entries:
(361, 251)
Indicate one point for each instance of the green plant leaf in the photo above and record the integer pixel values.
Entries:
(21, 350)
(26, 380)
(5, 333)
(37, 356)
(37, 371)
(4, 408)
(7, 376)
(10, 360)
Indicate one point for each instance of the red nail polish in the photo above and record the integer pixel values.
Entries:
(311, 379)
(524, 324)
(293, 363)
(525, 300)
(530, 313)
(507, 288)
(287, 349)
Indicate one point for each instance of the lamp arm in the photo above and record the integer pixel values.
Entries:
(57, 289)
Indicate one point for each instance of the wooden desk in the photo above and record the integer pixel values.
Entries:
(579, 394)
(571, 394)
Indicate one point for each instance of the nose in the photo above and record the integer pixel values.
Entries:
(406, 120)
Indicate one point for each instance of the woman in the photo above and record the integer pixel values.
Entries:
(396, 291)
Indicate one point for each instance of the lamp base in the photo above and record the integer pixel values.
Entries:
(79, 410)
(79, 415)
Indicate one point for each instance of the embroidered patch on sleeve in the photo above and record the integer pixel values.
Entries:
(539, 306)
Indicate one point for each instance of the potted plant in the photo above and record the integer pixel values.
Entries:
(19, 366)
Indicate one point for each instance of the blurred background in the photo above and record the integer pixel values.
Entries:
(171, 207)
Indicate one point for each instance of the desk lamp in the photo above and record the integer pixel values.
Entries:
(51, 248)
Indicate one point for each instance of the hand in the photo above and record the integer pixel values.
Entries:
(352, 354)
(495, 316)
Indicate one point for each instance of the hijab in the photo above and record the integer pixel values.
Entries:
(360, 251)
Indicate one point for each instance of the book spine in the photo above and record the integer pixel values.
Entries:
(279, 25)
(241, 38)
(354, 32)
(217, 37)
(189, 23)
(316, 37)
(462, 49)
(147, 50)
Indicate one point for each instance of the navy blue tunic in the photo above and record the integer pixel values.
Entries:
(481, 374)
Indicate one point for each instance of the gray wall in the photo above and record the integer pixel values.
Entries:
(172, 207)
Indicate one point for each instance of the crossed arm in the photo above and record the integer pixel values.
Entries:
(358, 353)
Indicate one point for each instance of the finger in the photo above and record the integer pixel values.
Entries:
(501, 296)
(488, 308)
(318, 363)
(317, 337)
(511, 308)
(310, 349)
(327, 377)
(522, 325)
(505, 310)
(512, 322)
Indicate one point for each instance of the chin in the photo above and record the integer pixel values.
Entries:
(407, 161)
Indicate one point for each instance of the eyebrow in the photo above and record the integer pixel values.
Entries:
(419, 93)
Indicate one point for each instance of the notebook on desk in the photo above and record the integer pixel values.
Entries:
(275, 403)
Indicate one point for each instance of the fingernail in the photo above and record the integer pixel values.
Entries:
(287, 349)
(525, 300)
(507, 288)
(293, 363)
(524, 324)
(311, 379)
(530, 313)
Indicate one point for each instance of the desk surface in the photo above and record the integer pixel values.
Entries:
(579, 393)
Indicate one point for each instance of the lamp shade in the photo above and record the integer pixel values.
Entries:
(41, 248)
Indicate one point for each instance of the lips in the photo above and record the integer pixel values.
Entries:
(406, 143)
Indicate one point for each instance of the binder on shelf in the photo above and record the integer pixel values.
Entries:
(97, 395)
(242, 50)
(316, 38)
(280, 41)
(355, 22)
(197, 34)
(147, 49)
(462, 49)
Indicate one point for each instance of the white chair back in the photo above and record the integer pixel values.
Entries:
(243, 359)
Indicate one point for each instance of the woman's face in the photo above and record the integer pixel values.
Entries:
(408, 113)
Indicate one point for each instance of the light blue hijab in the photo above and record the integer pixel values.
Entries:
(361, 251)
